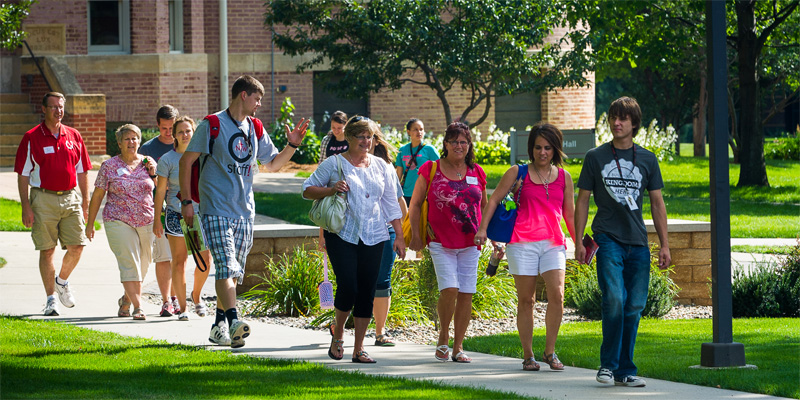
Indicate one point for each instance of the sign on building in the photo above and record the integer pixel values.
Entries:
(576, 143)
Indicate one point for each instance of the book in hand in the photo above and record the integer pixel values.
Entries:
(591, 248)
(195, 240)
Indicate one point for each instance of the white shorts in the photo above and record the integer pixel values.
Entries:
(161, 249)
(455, 268)
(535, 258)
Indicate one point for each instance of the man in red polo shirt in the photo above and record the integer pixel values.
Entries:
(53, 160)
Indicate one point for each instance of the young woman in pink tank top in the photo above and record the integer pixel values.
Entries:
(538, 245)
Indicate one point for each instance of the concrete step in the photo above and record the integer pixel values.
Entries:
(31, 118)
(7, 160)
(10, 128)
(10, 140)
(15, 98)
(16, 108)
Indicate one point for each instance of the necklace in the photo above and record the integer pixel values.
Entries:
(458, 174)
(545, 182)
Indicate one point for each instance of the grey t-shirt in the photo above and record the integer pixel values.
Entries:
(168, 168)
(154, 148)
(226, 177)
(601, 175)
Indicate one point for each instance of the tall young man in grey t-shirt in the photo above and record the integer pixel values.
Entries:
(617, 173)
(227, 208)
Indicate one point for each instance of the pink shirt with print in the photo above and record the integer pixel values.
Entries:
(539, 216)
(454, 206)
(129, 192)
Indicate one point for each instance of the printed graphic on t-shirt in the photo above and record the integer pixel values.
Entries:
(241, 151)
(413, 164)
(630, 183)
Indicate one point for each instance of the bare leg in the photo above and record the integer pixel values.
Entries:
(463, 314)
(47, 270)
(200, 277)
(133, 289)
(177, 247)
(70, 261)
(526, 288)
(446, 307)
(338, 330)
(554, 279)
(164, 278)
(226, 293)
(361, 325)
(380, 310)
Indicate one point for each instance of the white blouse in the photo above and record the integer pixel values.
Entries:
(371, 201)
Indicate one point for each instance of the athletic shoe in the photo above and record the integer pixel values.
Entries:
(630, 380)
(201, 309)
(239, 330)
(65, 295)
(51, 309)
(219, 334)
(183, 317)
(166, 309)
(176, 307)
(604, 375)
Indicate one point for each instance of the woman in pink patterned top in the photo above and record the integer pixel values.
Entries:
(538, 245)
(457, 195)
(129, 180)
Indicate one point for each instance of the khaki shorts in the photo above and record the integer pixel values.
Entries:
(161, 247)
(57, 217)
(131, 247)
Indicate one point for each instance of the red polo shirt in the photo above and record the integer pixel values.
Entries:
(52, 163)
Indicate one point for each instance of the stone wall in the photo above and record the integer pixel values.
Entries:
(690, 248)
(270, 241)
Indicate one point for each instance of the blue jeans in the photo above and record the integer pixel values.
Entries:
(384, 286)
(623, 273)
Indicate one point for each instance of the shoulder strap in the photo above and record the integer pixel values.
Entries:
(522, 174)
(258, 126)
(213, 131)
(430, 179)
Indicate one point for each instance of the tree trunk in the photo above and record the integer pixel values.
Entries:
(699, 120)
(753, 171)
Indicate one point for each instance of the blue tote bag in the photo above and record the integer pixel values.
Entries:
(505, 215)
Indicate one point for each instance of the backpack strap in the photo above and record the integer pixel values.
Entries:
(213, 131)
(258, 126)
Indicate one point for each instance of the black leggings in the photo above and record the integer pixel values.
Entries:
(356, 268)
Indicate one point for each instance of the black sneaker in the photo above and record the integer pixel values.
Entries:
(630, 380)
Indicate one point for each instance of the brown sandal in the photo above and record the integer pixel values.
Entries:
(138, 314)
(530, 364)
(553, 361)
(124, 307)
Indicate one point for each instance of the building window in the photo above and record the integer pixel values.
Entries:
(176, 26)
(109, 26)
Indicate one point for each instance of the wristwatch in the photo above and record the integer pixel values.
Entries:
(186, 202)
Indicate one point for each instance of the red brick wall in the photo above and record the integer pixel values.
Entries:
(570, 108)
(72, 13)
(131, 98)
(185, 91)
(193, 26)
(149, 26)
(246, 30)
(92, 128)
(299, 87)
(36, 91)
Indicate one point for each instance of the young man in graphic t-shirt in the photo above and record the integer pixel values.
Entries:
(618, 173)
(227, 208)
(155, 148)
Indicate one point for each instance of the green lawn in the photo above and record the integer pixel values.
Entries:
(51, 360)
(784, 250)
(11, 216)
(666, 349)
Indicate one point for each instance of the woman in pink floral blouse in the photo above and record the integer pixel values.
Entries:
(129, 180)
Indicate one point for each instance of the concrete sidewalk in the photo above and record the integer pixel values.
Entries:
(96, 286)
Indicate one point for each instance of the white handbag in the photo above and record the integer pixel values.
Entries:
(328, 212)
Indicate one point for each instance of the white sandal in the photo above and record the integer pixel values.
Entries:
(444, 349)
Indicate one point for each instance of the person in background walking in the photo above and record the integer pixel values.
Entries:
(412, 155)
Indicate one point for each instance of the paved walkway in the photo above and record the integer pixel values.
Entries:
(96, 287)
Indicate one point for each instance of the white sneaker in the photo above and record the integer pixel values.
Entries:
(630, 380)
(219, 334)
(239, 330)
(65, 295)
(51, 309)
(183, 317)
(604, 375)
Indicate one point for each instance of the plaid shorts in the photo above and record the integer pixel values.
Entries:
(229, 240)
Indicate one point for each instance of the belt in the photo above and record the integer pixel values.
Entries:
(55, 192)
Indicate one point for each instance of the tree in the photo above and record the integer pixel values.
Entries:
(486, 48)
(11, 16)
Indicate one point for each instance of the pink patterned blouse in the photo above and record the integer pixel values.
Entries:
(454, 207)
(129, 192)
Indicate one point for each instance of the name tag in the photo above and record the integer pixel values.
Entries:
(123, 171)
(631, 202)
(472, 180)
(49, 150)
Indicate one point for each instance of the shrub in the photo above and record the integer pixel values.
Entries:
(289, 285)
(496, 296)
(785, 148)
(582, 291)
(308, 153)
(112, 148)
(771, 290)
(659, 141)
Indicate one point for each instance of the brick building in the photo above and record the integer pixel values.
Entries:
(141, 54)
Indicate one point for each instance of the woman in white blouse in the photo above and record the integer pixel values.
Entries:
(355, 252)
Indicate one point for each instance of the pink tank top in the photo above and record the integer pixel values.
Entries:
(539, 218)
